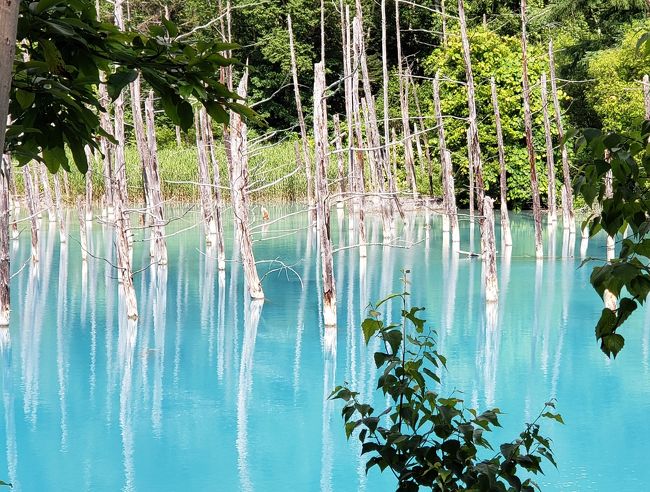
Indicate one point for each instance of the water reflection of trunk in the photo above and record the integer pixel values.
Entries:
(451, 277)
(329, 381)
(300, 325)
(568, 271)
(34, 310)
(179, 311)
(548, 310)
(207, 283)
(159, 328)
(127, 336)
(109, 289)
(61, 349)
(252, 313)
(221, 323)
(8, 403)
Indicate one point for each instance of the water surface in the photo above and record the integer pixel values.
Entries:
(208, 391)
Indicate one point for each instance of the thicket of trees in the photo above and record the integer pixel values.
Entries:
(594, 44)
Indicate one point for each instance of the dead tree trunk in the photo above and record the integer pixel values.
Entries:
(506, 235)
(488, 248)
(301, 123)
(59, 209)
(403, 100)
(646, 96)
(158, 248)
(609, 297)
(568, 218)
(89, 184)
(205, 188)
(473, 143)
(452, 211)
(141, 143)
(445, 169)
(32, 209)
(239, 193)
(340, 167)
(528, 122)
(5, 273)
(107, 152)
(443, 16)
(550, 158)
(217, 199)
(423, 134)
(322, 196)
(179, 141)
(47, 192)
(384, 73)
(83, 237)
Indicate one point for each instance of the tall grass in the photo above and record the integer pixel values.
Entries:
(179, 175)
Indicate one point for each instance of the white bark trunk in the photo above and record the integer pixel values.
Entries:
(568, 217)
(239, 194)
(158, 245)
(506, 235)
(528, 123)
(322, 196)
(550, 158)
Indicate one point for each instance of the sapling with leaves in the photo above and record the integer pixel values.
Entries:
(628, 276)
(427, 440)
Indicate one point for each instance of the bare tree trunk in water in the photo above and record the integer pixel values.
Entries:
(32, 209)
(301, 124)
(5, 273)
(205, 188)
(550, 158)
(322, 196)
(646, 96)
(218, 200)
(609, 298)
(63, 237)
(158, 248)
(83, 237)
(239, 193)
(528, 122)
(568, 218)
(506, 235)
(476, 166)
(403, 99)
(488, 248)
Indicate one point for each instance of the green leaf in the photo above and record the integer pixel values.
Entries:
(43, 5)
(24, 98)
(118, 80)
(612, 344)
(370, 327)
(55, 158)
(216, 111)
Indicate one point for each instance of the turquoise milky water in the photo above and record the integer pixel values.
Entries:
(209, 391)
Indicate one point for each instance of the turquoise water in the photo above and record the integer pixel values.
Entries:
(211, 392)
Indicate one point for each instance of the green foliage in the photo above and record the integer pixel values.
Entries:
(499, 56)
(63, 50)
(628, 276)
(615, 94)
(427, 440)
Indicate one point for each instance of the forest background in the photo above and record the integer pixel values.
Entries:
(598, 66)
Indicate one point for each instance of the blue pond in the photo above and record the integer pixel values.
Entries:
(209, 391)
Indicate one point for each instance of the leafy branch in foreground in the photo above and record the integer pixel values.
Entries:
(429, 441)
(627, 156)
